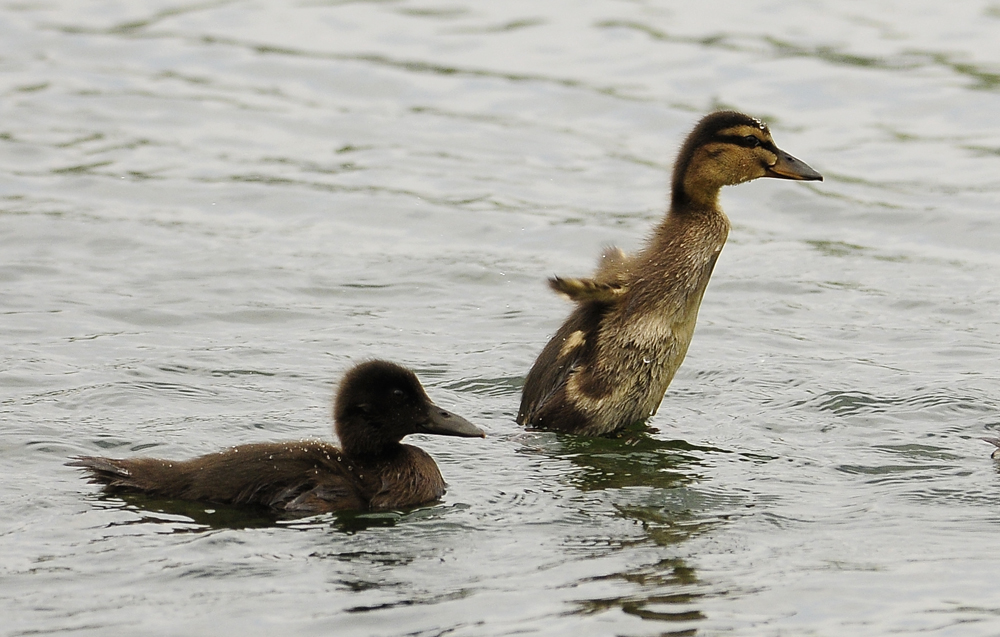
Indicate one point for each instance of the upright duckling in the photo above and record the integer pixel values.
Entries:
(378, 403)
(610, 363)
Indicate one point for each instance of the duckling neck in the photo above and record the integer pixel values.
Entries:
(694, 194)
(691, 233)
(362, 444)
(373, 455)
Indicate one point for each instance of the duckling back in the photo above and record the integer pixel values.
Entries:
(305, 477)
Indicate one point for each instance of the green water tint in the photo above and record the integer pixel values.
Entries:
(628, 458)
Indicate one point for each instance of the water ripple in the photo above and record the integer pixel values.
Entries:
(851, 403)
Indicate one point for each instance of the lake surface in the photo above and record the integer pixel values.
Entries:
(208, 211)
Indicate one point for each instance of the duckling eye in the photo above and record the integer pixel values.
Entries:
(751, 141)
(397, 393)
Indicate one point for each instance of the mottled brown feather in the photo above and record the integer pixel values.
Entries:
(610, 363)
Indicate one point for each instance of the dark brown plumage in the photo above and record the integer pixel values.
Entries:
(378, 403)
(610, 363)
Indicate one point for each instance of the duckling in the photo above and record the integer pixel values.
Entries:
(995, 442)
(377, 404)
(610, 363)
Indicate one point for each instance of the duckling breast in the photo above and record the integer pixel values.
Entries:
(409, 480)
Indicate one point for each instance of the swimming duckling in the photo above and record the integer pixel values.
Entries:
(378, 403)
(995, 442)
(610, 363)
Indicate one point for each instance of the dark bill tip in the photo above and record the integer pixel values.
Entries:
(788, 167)
(445, 423)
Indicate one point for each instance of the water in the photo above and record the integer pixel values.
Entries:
(208, 211)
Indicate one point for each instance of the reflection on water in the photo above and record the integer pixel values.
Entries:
(186, 516)
(629, 458)
(665, 575)
(651, 483)
(849, 403)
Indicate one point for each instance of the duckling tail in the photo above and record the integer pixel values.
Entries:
(105, 471)
(137, 474)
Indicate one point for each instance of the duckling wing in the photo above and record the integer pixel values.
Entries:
(586, 290)
(406, 479)
(543, 398)
(613, 264)
(608, 285)
(304, 477)
(995, 442)
(335, 493)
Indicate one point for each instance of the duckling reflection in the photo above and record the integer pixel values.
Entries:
(612, 360)
(629, 458)
(652, 485)
(186, 516)
(378, 404)
(670, 579)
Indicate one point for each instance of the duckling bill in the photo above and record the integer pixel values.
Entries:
(610, 363)
(378, 403)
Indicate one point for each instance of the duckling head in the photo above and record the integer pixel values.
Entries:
(728, 148)
(378, 403)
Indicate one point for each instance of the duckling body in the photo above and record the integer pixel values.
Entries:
(297, 477)
(611, 362)
(378, 403)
